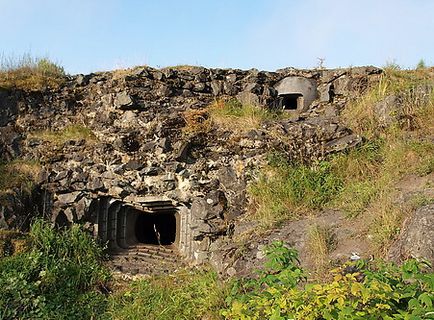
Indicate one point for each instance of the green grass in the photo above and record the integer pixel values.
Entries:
(183, 295)
(360, 181)
(234, 116)
(29, 73)
(59, 274)
(59, 137)
(285, 191)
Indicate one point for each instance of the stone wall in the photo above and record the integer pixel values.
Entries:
(142, 149)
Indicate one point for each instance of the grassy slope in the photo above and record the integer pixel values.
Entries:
(362, 181)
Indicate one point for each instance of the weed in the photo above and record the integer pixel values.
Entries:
(321, 242)
(358, 290)
(55, 278)
(71, 132)
(28, 73)
(234, 116)
(284, 190)
(184, 295)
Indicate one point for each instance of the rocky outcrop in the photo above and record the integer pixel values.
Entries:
(142, 146)
(416, 240)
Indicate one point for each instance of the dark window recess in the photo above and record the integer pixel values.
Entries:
(158, 229)
(61, 220)
(291, 101)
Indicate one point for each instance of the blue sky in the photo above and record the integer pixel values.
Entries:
(94, 35)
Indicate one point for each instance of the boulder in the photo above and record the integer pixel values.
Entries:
(416, 239)
(217, 87)
(123, 100)
(68, 198)
(387, 110)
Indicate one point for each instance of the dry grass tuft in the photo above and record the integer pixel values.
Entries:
(181, 67)
(197, 121)
(30, 74)
(12, 242)
(18, 174)
(227, 115)
(71, 132)
(413, 91)
(321, 242)
(232, 115)
(387, 217)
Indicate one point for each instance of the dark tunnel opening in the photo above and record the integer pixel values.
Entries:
(291, 101)
(156, 228)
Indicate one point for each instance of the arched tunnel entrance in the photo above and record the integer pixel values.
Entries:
(155, 231)
(156, 228)
(124, 225)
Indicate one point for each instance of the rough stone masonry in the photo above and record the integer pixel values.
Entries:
(143, 161)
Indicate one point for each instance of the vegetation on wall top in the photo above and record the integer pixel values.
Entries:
(29, 73)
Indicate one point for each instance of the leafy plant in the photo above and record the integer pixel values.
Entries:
(359, 290)
(281, 267)
(56, 278)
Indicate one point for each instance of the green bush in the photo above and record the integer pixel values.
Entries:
(56, 279)
(359, 290)
(421, 65)
(49, 68)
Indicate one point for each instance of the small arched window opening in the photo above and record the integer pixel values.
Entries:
(291, 101)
